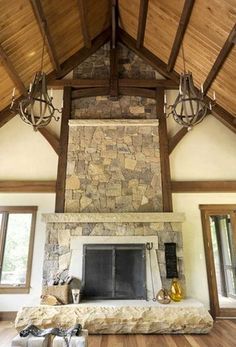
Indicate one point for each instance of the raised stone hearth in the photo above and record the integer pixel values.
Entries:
(122, 317)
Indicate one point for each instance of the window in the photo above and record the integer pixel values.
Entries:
(17, 226)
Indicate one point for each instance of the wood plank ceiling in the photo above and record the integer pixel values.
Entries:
(72, 25)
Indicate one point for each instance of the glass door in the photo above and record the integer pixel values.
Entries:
(219, 234)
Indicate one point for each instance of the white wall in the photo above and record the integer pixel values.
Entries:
(26, 155)
(46, 204)
(208, 152)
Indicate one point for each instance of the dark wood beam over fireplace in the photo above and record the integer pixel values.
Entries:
(164, 153)
(62, 161)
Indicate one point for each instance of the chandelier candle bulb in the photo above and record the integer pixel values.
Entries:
(13, 92)
(214, 95)
(51, 93)
(165, 99)
(30, 87)
(201, 88)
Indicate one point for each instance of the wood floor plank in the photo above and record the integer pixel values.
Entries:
(222, 335)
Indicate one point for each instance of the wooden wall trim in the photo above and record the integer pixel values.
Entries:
(62, 161)
(13, 186)
(164, 153)
(203, 186)
(8, 315)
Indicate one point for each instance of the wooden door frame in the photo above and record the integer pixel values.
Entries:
(206, 212)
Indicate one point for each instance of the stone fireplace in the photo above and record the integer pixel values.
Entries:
(113, 197)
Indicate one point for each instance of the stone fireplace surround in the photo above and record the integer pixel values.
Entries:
(67, 232)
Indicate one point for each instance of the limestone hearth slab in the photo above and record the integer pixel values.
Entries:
(113, 122)
(132, 217)
(122, 317)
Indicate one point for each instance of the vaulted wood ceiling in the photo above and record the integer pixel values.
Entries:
(76, 28)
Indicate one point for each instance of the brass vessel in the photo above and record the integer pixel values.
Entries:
(176, 292)
(163, 296)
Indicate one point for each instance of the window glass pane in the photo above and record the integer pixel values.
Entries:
(0, 219)
(16, 249)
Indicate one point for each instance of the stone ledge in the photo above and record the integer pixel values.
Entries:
(133, 217)
(187, 317)
(113, 122)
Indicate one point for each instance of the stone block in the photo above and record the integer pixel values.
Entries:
(64, 261)
(84, 202)
(130, 164)
(64, 237)
(20, 341)
(113, 189)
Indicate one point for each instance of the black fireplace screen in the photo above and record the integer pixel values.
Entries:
(114, 271)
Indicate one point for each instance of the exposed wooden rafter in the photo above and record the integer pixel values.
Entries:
(84, 22)
(143, 8)
(174, 140)
(12, 73)
(147, 56)
(226, 49)
(184, 19)
(51, 138)
(114, 52)
(123, 82)
(219, 112)
(66, 67)
(131, 91)
(42, 23)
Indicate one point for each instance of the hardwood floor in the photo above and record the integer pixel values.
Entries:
(222, 335)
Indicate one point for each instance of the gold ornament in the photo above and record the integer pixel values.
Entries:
(176, 292)
(163, 296)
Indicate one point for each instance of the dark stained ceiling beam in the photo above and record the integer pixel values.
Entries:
(184, 20)
(123, 82)
(83, 11)
(51, 139)
(174, 140)
(66, 67)
(42, 23)
(147, 56)
(11, 71)
(143, 8)
(114, 52)
(226, 49)
(219, 112)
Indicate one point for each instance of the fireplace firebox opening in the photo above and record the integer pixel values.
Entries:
(114, 271)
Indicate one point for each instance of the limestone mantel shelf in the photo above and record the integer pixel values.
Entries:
(132, 217)
(113, 122)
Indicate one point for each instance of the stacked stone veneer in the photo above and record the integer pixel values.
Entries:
(97, 66)
(113, 168)
(58, 236)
